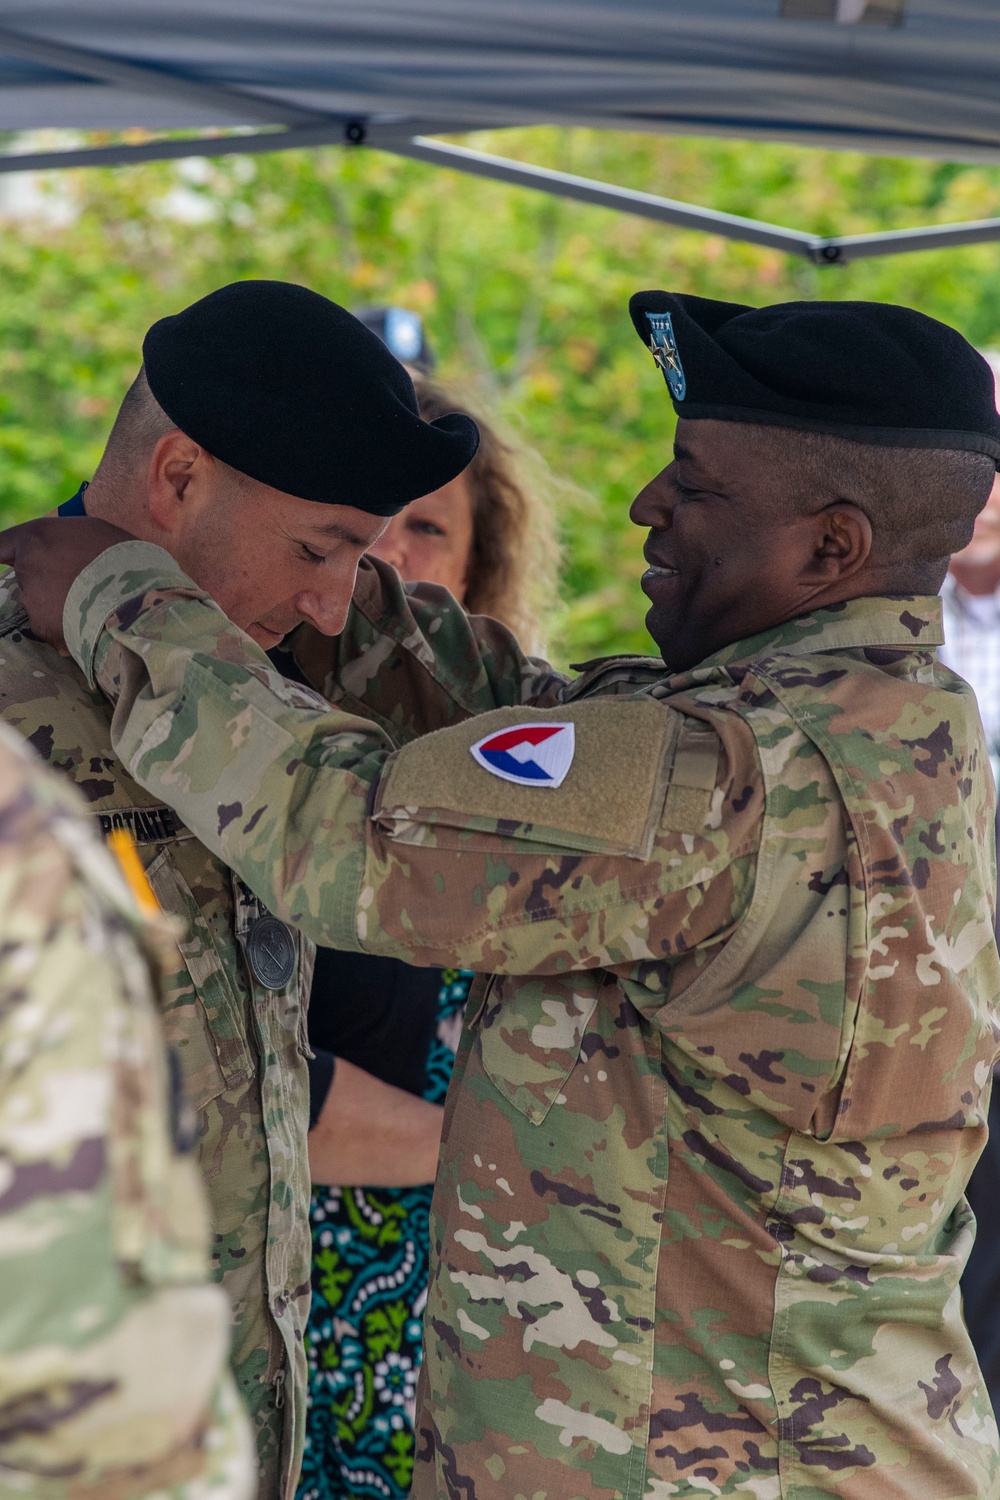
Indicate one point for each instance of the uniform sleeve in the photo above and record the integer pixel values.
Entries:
(643, 851)
(113, 1349)
(412, 660)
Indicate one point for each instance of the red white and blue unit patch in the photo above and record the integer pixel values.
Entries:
(529, 754)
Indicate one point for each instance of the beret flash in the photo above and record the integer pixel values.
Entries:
(292, 390)
(867, 371)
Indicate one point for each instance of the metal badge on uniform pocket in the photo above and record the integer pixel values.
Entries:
(271, 952)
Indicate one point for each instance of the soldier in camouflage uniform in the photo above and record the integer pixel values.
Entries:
(205, 417)
(699, 1223)
(114, 1379)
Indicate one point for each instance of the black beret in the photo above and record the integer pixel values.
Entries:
(290, 389)
(867, 371)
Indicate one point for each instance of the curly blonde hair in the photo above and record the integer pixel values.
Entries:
(514, 563)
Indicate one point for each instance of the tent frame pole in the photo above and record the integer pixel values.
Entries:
(830, 251)
(294, 127)
(834, 250)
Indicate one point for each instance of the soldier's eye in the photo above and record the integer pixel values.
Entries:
(308, 555)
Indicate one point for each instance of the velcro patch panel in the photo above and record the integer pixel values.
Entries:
(609, 800)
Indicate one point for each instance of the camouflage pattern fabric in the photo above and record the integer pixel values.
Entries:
(242, 1045)
(113, 1369)
(699, 1223)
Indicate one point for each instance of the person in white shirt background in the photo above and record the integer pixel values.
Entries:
(971, 599)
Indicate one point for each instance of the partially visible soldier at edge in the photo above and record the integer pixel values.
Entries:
(264, 444)
(114, 1376)
(700, 1219)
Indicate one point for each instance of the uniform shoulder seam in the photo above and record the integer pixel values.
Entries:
(13, 616)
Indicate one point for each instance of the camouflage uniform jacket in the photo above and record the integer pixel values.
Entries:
(241, 1044)
(699, 1222)
(113, 1347)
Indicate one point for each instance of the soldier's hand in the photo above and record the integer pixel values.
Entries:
(47, 556)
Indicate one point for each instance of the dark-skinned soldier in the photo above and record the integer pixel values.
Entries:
(699, 1221)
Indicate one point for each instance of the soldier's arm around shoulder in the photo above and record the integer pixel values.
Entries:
(412, 660)
(113, 1347)
(522, 839)
(609, 833)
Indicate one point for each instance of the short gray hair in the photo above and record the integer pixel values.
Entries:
(138, 427)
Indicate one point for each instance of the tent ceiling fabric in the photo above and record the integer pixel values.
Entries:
(888, 76)
(734, 67)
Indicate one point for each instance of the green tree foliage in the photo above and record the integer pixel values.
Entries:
(524, 296)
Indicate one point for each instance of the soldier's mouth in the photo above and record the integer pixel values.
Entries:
(658, 573)
(265, 637)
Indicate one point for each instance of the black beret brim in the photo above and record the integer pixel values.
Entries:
(867, 372)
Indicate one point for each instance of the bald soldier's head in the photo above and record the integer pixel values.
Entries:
(824, 451)
(265, 443)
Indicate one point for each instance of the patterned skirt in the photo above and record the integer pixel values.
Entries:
(364, 1340)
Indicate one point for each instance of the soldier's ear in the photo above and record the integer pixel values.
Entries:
(842, 541)
(176, 465)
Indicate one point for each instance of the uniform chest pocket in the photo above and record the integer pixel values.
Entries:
(202, 1014)
(529, 1032)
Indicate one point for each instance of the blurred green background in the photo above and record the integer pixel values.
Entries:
(524, 296)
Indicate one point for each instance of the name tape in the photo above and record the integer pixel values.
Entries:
(147, 825)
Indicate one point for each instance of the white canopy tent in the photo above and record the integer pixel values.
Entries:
(888, 76)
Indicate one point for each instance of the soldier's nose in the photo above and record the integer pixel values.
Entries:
(654, 504)
(326, 611)
(653, 507)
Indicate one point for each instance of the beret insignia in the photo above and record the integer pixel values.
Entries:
(664, 347)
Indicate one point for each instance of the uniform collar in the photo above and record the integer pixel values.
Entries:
(912, 623)
(76, 505)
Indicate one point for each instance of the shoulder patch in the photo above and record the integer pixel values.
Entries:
(528, 754)
(601, 790)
